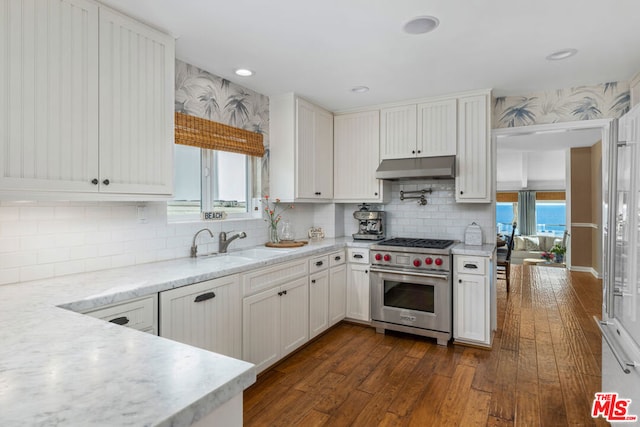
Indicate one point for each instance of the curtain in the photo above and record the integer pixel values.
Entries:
(527, 212)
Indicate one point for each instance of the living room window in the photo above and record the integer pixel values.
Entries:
(550, 212)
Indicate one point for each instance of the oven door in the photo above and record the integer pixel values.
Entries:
(421, 300)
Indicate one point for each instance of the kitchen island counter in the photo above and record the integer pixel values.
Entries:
(60, 367)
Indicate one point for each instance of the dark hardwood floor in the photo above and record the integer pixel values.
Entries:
(543, 370)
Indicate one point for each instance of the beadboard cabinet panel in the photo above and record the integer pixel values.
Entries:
(474, 153)
(356, 158)
(206, 315)
(398, 132)
(437, 128)
(48, 95)
(136, 119)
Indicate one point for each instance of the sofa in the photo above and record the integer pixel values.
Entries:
(532, 247)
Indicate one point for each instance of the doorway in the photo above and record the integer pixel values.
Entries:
(568, 157)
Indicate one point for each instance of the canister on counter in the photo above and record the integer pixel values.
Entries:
(473, 235)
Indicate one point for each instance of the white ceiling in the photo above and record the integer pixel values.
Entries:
(320, 49)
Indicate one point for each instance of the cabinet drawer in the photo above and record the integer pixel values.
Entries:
(337, 258)
(139, 314)
(471, 264)
(318, 263)
(265, 278)
(358, 255)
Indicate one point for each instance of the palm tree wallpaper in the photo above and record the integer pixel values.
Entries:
(606, 100)
(202, 94)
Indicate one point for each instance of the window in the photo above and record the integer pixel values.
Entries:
(210, 180)
(550, 211)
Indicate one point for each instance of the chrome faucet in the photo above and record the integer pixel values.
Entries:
(194, 247)
(224, 242)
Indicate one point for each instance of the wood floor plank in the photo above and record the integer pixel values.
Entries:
(543, 370)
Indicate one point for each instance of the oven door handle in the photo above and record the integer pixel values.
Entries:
(411, 273)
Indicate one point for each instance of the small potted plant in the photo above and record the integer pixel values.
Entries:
(558, 251)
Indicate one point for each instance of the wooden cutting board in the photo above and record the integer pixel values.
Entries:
(291, 244)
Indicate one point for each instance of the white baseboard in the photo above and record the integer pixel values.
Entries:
(591, 270)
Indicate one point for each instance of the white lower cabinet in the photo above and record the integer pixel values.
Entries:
(275, 322)
(318, 303)
(358, 290)
(206, 315)
(337, 293)
(140, 314)
(471, 300)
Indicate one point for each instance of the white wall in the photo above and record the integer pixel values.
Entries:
(39, 240)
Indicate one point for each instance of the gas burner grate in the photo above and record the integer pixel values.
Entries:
(417, 243)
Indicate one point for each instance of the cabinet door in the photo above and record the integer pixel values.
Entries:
(318, 303)
(471, 308)
(206, 315)
(136, 107)
(398, 132)
(323, 154)
(305, 152)
(358, 292)
(437, 128)
(337, 294)
(49, 95)
(261, 329)
(356, 156)
(294, 315)
(474, 154)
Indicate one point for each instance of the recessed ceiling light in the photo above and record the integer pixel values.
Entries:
(562, 54)
(421, 25)
(359, 89)
(244, 72)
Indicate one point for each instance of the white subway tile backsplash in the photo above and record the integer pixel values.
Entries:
(69, 267)
(9, 275)
(9, 244)
(36, 272)
(9, 213)
(47, 256)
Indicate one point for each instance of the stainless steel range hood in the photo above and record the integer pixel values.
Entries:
(443, 167)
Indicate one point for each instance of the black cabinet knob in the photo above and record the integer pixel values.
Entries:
(461, 192)
(366, 272)
(105, 182)
(375, 194)
(94, 181)
(413, 151)
(419, 151)
(459, 280)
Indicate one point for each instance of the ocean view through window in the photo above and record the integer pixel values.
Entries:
(550, 216)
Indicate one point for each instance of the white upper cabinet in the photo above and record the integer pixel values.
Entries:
(428, 129)
(87, 99)
(48, 95)
(136, 107)
(398, 132)
(356, 158)
(473, 177)
(301, 150)
(437, 128)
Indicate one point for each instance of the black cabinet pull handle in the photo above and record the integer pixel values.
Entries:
(358, 256)
(319, 263)
(105, 182)
(284, 292)
(120, 320)
(95, 181)
(279, 294)
(338, 258)
(313, 281)
(470, 266)
(204, 297)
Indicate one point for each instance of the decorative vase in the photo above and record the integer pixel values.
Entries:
(559, 258)
(273, 233)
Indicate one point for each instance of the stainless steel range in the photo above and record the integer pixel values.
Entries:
(411, 287)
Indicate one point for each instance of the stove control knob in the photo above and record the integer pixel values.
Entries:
(417, 263)
(387, 257)
(378, 257)
(428, 261)
(438, 261)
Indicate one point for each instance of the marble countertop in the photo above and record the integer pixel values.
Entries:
(478, 250)
(60, 367)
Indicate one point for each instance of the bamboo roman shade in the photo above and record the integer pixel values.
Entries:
(202, 133)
